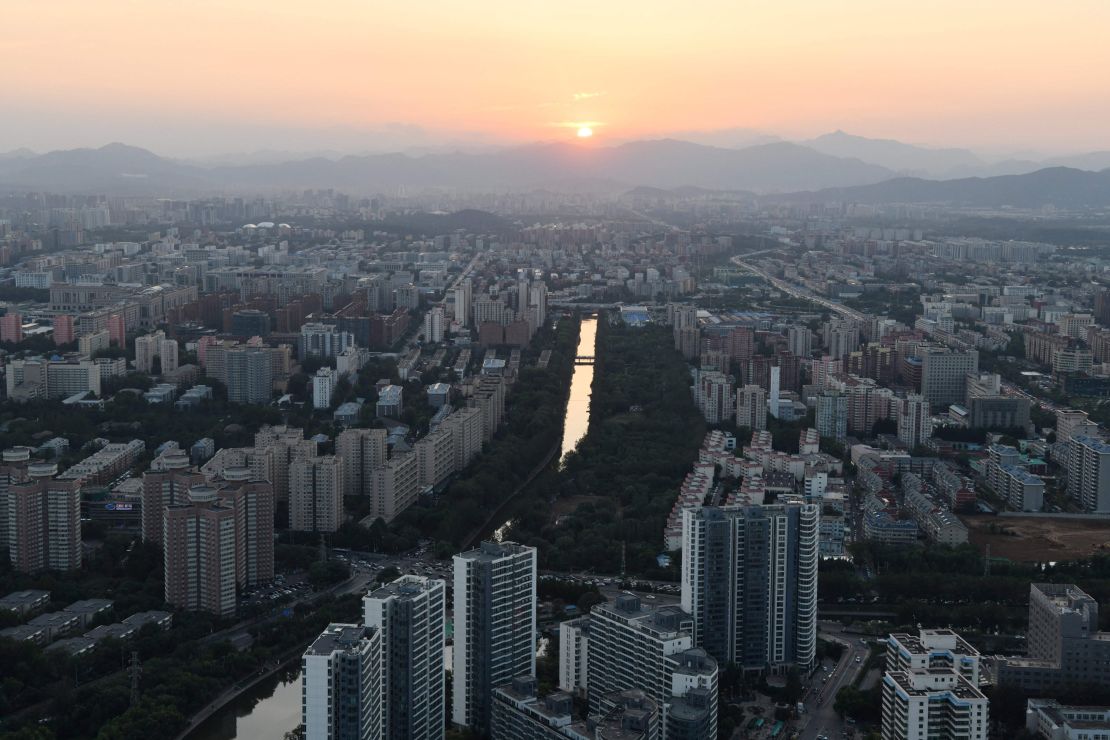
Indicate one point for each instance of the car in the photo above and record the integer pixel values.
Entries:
(859, 659)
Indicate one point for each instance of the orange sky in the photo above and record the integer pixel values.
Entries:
(211, 75)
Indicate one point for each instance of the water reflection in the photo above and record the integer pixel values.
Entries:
(577, 419)
(266, 712)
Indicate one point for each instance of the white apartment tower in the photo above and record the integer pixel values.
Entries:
(410, 613)
(342, 674)
(495, 627)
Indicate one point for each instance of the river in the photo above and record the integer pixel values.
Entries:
(266, 712)
(272, 708)
(576, 419)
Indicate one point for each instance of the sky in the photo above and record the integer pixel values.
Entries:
(205, 77)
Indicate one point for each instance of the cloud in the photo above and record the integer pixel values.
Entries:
(587, 95)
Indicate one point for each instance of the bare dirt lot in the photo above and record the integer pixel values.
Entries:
(1038, 539)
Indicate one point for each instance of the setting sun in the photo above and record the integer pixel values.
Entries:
(585, 132)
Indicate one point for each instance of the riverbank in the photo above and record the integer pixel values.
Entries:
(239, 689)
(533, 426)
(644, 433)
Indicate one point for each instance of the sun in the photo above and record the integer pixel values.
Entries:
(585, 132)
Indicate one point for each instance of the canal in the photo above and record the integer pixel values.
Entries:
(273, 707)
(265, 712)
(576, 421)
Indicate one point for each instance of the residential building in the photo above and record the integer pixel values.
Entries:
(832, 415)
(495, 626)
(751, 407)
(390, 402)
(315, 494)
(44, 522)
(915, 423)
(713, 394)
(394, 486)
(362, 451)
(435, 455)
(633, 646)
(434, 324)
(323, 387)
(1088, 466)
(201, 562)
(932, 705)
(342, 684)
(574, 655)
(410, 613)
(749, 582)
(323, 340)
(249, 374)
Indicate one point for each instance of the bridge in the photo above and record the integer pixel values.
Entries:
(584, 360)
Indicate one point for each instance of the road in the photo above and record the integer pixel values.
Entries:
(821, 719)
(797, 292)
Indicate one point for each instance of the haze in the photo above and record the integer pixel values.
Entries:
(206, 77)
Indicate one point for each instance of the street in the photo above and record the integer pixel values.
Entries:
(820, 718)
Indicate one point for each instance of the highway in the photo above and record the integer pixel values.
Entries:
(795, 291)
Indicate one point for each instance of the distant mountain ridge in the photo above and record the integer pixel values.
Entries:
(1063, 187)
(666, 163)
(778, 170)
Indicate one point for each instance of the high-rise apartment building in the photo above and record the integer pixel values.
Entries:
(201, 563)
(465, 427)
(832, 415)
(713, 394)
(1088, 466)
(323, 387)
(44, 521)
(342, 684)
(13, 470)
(435, 456)
(315, 494)
(751, 407)
(249, 373)
(161, 489)
(633, 646)
(362, 451)
(932, 705)
(749, 581)
(284, 445)
(495, 626)
(394, 486)
(64, 329)
(915, 423)
(410, 613)
(434, 323)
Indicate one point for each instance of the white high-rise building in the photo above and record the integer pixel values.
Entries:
(410, 613)
(323, 387)
(915, 423)
(574, 655)
(495, 627)
(749, 580)
(433, 325)
(1088, 460)
(634, 646)
(799, 340)
(463, 298)
(931, 689)
(342, 695)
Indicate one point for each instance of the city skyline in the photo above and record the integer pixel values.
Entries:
(352, 78)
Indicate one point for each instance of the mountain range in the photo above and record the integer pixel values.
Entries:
(834, 166)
